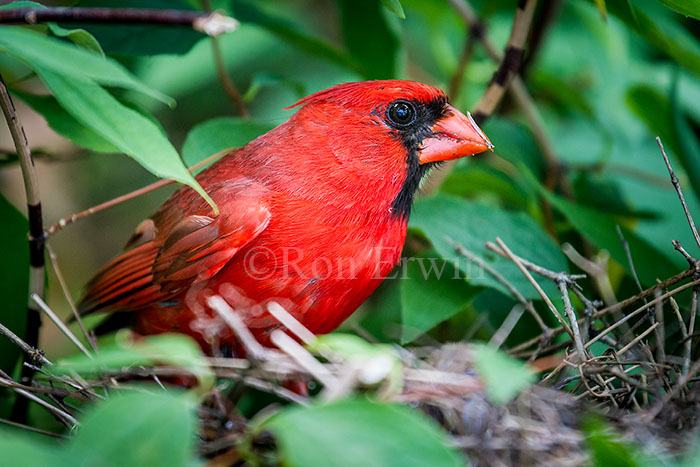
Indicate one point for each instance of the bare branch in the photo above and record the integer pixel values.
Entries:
(34, 354)
(62, 223)
(212, 24)
(677, 186)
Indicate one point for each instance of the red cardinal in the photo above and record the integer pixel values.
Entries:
(313, 216)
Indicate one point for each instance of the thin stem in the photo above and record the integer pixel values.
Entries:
(537, 287)
(64, 288)
(36, 235)
(677, 186)
(31, 352)
(62, 223)
(499, 277)
(212, 24)
(61, 326)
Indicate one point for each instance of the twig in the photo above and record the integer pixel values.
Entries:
(282, 392)
(64, 416)
(649, 415)
(691, 322)
(225, 79)
(36, 235)
(299, 354)
(212, 24)
(596, 269)
(507, 68)
(512, 58)
(34, 354)
(637, 339)
(31, 428)
(639, 310)
(694, 263)
(499, 277)
(62, 223)
(291, 323)
(256, 352)
(475, 32)
(537, 287)
(660, 331)
(64, 288)
(677, 186)
(537, 269)
(628, 254)
(62, 327)
(500, 336)
(571, 314)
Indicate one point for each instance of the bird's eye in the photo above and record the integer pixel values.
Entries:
(401, 113)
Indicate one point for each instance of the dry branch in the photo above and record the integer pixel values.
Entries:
(212, 24)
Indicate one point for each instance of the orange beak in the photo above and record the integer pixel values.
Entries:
(454, 136)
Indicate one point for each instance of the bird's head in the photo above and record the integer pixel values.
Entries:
(385, 125)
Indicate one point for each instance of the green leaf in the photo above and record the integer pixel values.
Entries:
(684, 7)
(218, 134)
(252, 12)
(64, 124)
(128, 130)
(14, 279)
(170, 349)
(79, 37)
(364, 433)
(600, 229)
(140, 429)
(665, 34)
(665, 118)
(70, 62)
(446, 219)
(600, 4)
(369, 38)
(263, 79)
(432, 291)
(503, 375)
(18, 448)
(395, 7)
(608, 448)
(146, 39)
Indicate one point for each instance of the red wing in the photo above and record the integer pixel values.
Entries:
(192, 250)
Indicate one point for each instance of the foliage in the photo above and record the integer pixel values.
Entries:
(575, 169)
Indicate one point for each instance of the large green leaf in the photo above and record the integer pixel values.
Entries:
(600, 229)
(69, 61)
(684, 7)
(65, 125)
(145, 39)
(139, 429)
(219, 134)
(19, 448)
(446, 220)
(251, 12)
(432, 291)
(360, 433)
(369, 37)
(133, 428)
(664, 118)
(128, 130)
(663, 33)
